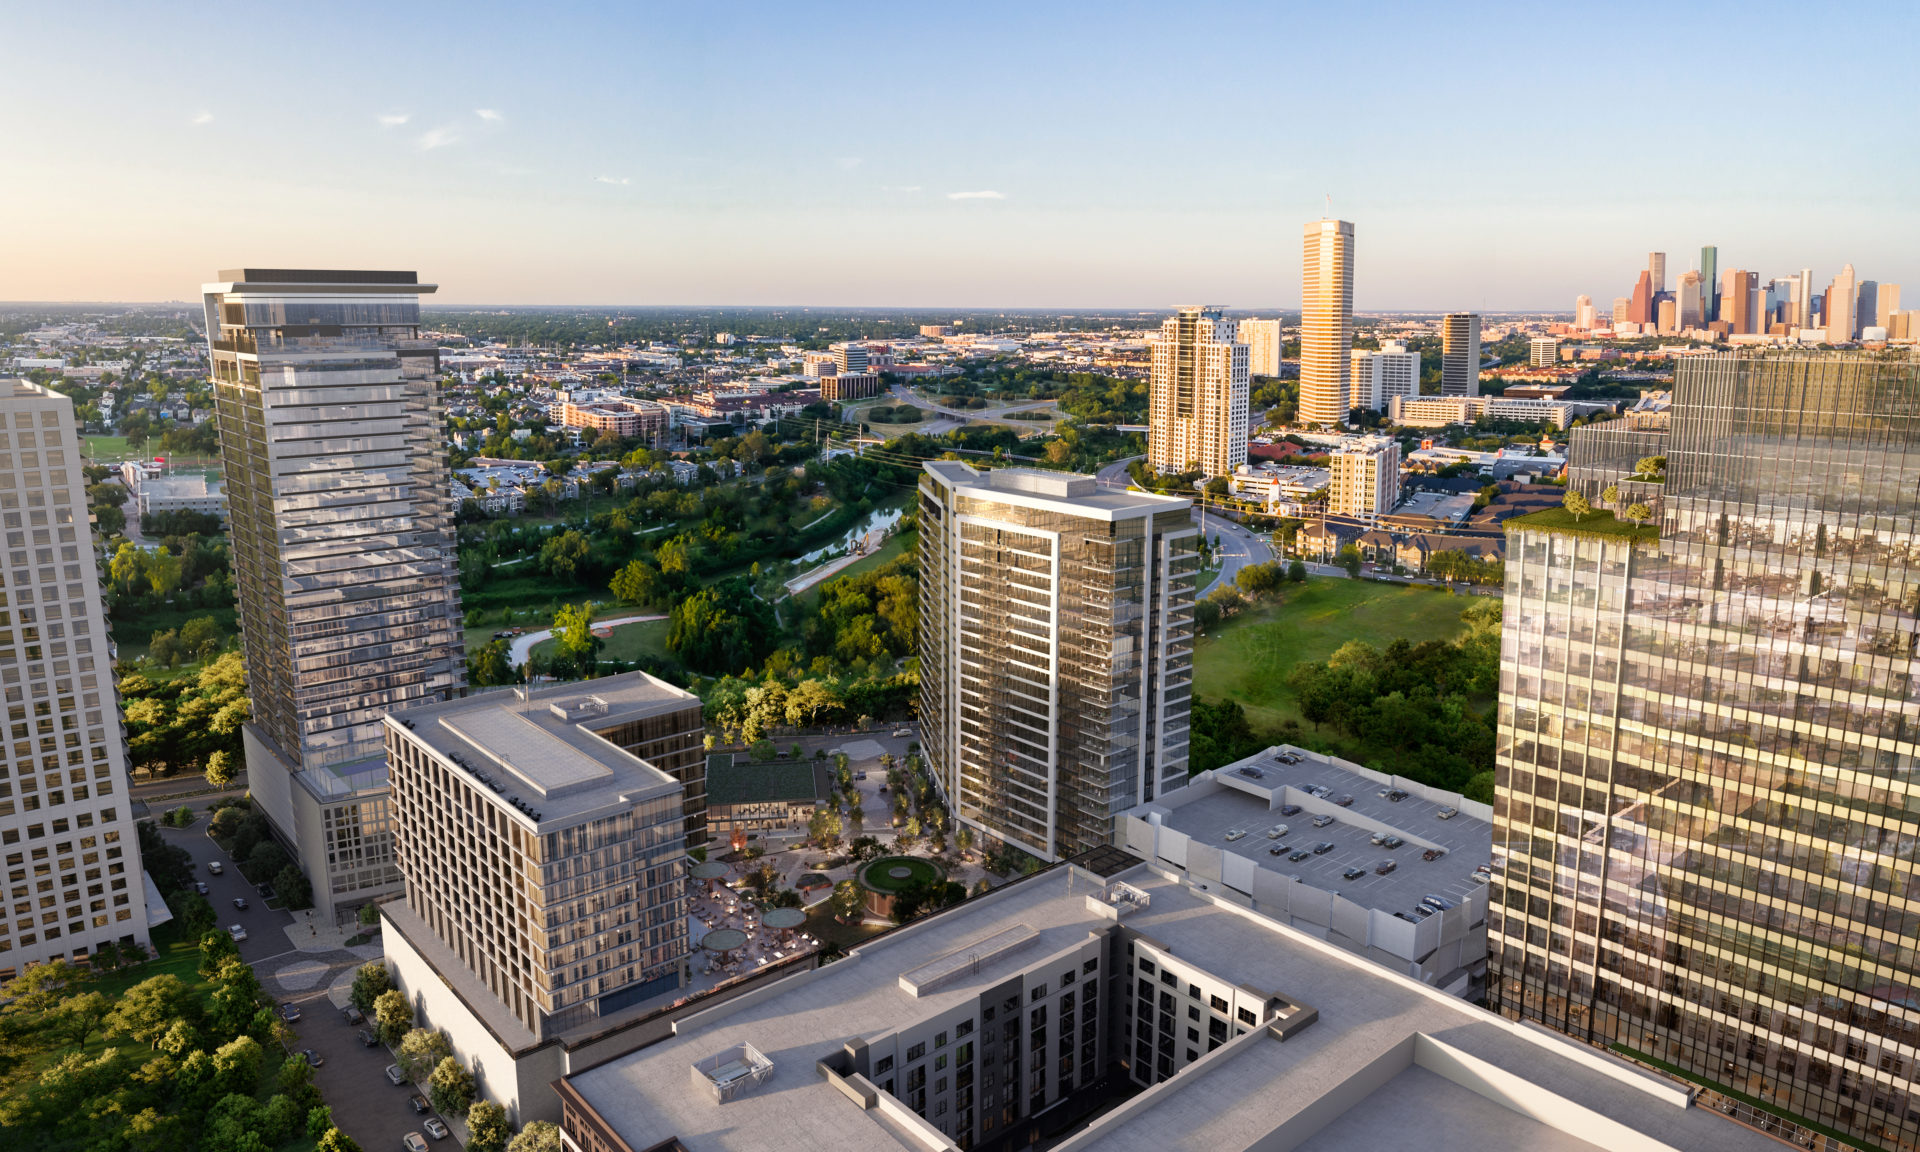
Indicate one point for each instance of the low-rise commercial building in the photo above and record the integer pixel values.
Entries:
(1286, 491)
(850, 386)
(1107, 1005)
(762, 798)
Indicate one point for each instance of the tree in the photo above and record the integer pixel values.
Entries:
(369, 981)
(1349, 558)
(450, 1086)
(1650, 466)
(1639, 513)
(1258, 579)
(150, 1008)
(573, 638)
(1611, 496)
(823, 828)
(336, 1141)
(491, 665)
(564, 555)
(393, 1015)
(1296, 573)
(847, 900)
(319, 1120)
(80, 1017)
(539, 1136)
(41, 987)
(291, 886)
(216, 948)
(221, 768)
(236, 1066)
(421, 1051)
(487, 1129)
(639, 583)
(1577, 504)
(235, 999)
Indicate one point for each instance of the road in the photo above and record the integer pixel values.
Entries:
(1239, 546)
(351, 1077)
(962, 416)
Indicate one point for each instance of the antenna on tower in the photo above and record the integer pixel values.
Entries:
(1329, 205)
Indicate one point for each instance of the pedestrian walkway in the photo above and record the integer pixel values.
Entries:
(309, 932)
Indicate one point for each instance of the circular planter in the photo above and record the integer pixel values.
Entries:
(881, 878)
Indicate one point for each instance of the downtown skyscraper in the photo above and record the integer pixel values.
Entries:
(1326, 323)
(1197, 402)
(1056, 651)
(1460, 354)
(1707, 809)
(332, 436)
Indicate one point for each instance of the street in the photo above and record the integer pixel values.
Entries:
(1239, 546)
(300, 962)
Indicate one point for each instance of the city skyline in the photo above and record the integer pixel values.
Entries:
(1006, 158)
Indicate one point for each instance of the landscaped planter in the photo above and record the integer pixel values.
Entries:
(882, 878)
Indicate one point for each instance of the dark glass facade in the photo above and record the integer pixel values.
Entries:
(1056, 651)
(1707, 811)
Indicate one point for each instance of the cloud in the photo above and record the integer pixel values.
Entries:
(899, 187)
(202, 118)
(612, 180)
(394, 119)
(976, 195)
(438, 138)
(488, 114)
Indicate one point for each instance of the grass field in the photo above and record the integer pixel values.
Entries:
(1247, 658)
(628, 642)
(131, 633)
(903, 542)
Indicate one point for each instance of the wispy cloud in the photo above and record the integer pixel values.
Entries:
(899, 187)
(976, 195)
(488, 114)
(394, 119)
(848, 163)
(613, 180)
(438, 138)
(202, 118)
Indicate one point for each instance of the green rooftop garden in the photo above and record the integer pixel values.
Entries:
(880, 875)
(1597, 523)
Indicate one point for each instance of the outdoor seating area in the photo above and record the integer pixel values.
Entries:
(734, 936)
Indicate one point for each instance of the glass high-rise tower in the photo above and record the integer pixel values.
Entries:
(332, 436)
(1056, 650)
(1708, 805)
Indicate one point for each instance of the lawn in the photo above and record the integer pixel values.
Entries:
(897, 545)
(876, 877)
(1247, 658)
(628, 642)
(1598, 523)
(132, 632)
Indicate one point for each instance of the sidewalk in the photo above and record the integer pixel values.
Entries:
(310, 933)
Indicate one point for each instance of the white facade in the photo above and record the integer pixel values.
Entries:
(65, 812)
(1377, 377)
(1365, 477)
(1583, 313)
(1197, 409)
(1543, 352)
(1264, 341)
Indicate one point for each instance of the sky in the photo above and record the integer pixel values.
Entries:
(1492, 156)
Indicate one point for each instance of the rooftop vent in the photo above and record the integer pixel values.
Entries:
(571, 710)
(733, 1073)
(965, 961)
(1124, 898)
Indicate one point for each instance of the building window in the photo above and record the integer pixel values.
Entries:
(917, 1051)
(883, 1066)
(1219, 1005)
(1246, 1016)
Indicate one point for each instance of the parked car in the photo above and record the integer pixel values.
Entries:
(1277, 850)
(419, 1104)
(435, 1128)
(289, 1012)
(1299, 855)
(266, 891)
(1385, 867)
(859, 775)
(1289, 809)
(414, 1142)
(1447, 813)
(1343, 801)
(200, 886)
(1322, 820)
(1236, 834)
(1481, 878)
(314, 1059)
(354, 1016)
(240, 902)
(1397, 795)
(1253, 773)
(215, 867)
(368, 1039)
(1433, 854)
(1392, 842)
(1277, 831)
(237, 932)
(1322, 848)
(396, 1076)
(902, 733)
(1353, 873)
(1376, 837)
(1435, 898)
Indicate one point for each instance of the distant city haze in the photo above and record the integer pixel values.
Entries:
(1491, 157)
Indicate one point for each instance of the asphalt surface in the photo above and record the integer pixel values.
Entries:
(351, 1078)
(1238, 546)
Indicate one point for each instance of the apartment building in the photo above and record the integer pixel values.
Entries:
(1197, 403)
(1460, 354)
(1365, 477)
(74, 879)
(1266, 343)
(1056, 650)
(1544, 351)
(545, 862)
(1706, 750)
(1326, 323)
(1380, 375)
(627, 419)
(341, 511)
(1106, 1005)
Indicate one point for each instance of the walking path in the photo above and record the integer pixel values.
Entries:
(522, 645)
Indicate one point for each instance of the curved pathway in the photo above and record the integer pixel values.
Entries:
(522, 645)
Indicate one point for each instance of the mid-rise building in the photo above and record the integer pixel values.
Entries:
(1706, 754)
(332, 436)
(1583, 314)
(1668, 322)
(74, 879)
(1866, 307)
(850, 386)
(1802, 299)
(1689, 309)
(936, 331)
(1622, 310)
(1543, 352)
(1839, 316)
(628, 419)
(156, 494)
(1056, 651)
(545, 864)
(1326, 323)
(1657, 271)
(1460, 354)
(1265, 343)
(1114, 1004)
(1379, 376)
(849, 359)
(1365, 477)
(1640, 308)
(1737, 308)
(1197, 403)
(814, 364)
(1888, 306)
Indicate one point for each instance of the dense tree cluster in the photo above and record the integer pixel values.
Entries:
(180, 722)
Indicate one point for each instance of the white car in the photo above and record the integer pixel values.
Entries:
(1277, 831)
(1236, 834)
(237, 932)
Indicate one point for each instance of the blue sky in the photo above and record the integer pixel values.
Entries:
(1491, 156)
